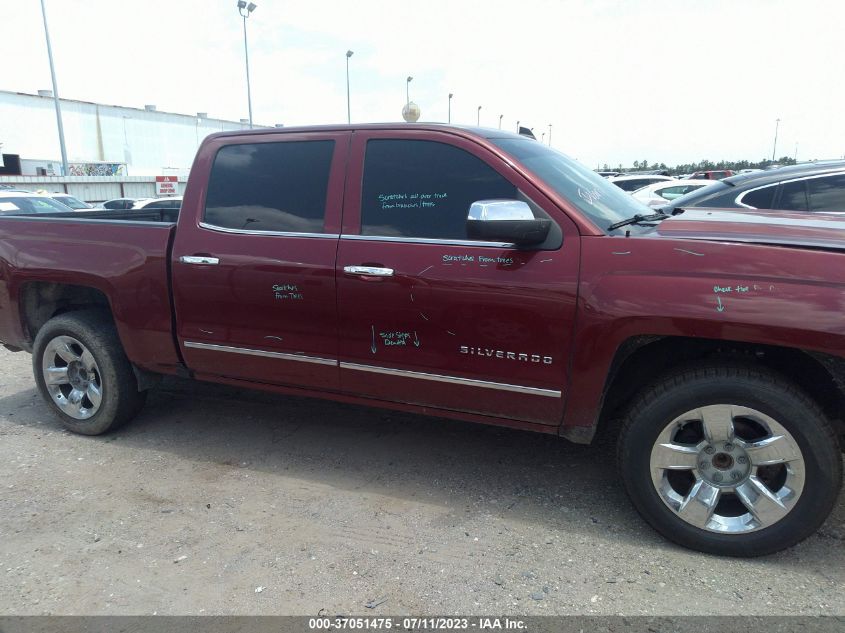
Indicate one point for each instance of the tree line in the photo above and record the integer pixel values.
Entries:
(703, 165)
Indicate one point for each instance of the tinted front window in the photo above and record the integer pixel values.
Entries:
(793, 196)
(270, 186)
(600, 200)
(761, 198)
(827, 193)
(424, 189)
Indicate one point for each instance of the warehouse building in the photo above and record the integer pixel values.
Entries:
(101, 140)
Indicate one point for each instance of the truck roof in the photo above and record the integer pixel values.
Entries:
(465, 130)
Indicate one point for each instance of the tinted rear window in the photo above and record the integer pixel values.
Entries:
(827, 193)
(279, 187)
(793, 196)
(761, 198)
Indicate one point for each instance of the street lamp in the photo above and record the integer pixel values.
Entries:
(348, 109)
(500, 121)
(408, 91)
(249, 8)
(478, 118)
(543, 137)
(449, 120)
(517, 127)
(65, 169)
(550, 134)
(775, 146)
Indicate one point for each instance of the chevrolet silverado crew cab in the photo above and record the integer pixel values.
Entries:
(466, 273)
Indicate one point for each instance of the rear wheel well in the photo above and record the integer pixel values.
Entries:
(41, 301)
(640, 361)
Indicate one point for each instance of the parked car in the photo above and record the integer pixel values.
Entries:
(717, 174)
(473, 274)
(808, 187)
(14, 202)
(608, 174)
(118, 203)
(70, 201)
(632, 183)
(173, 202)
(660, 193)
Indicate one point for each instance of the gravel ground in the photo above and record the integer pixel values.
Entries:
(219, 501)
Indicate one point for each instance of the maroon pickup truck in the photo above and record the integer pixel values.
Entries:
(472, 274)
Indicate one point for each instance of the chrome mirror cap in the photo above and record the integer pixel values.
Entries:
(499, 210)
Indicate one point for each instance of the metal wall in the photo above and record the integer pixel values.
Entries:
(149, 142)
(92, 188)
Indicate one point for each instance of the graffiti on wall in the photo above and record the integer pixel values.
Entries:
(97, 169)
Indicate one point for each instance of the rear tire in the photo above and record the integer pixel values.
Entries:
(83, 373)
(730, 460)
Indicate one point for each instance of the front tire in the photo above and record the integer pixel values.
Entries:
(730, 460)
(83, 374)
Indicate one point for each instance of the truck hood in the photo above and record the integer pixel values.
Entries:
(810, 230)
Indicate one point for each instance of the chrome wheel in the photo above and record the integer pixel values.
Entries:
(72, 377)
(727, 469)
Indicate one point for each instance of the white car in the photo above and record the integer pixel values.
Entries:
(173, 202)
(23, 202)
(636, 181)
(659, 193)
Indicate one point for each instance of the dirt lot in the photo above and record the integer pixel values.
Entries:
(227, 502)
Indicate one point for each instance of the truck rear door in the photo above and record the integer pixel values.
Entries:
(430, 317)
(254, 264)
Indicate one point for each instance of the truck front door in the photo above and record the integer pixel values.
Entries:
(430, 317)
(253, 272)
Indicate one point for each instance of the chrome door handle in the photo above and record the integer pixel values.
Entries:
(368, 271)
(199, 259)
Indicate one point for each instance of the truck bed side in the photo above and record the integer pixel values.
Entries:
(49, 265)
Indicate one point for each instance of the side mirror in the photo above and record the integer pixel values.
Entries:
(506, 221)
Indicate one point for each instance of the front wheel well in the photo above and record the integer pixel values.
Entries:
(640, 361)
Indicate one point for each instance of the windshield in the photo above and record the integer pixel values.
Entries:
(30, 204)
(601, 201)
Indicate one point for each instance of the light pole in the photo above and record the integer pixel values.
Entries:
(543, 137)
(348, 109)
(249, 8)
(500, 121)
(478, 118)
(517, 127)
(408, 92)
(775, 146)
(449, 120)
(65, 169)
(550, 134)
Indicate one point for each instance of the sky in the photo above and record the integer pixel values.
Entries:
(663, 81)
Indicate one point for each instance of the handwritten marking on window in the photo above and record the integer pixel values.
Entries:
(420, 200)
(590, 196)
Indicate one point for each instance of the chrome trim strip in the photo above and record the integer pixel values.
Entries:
(259, 352)
(222, 229)
(467, 382)
(427, 240)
